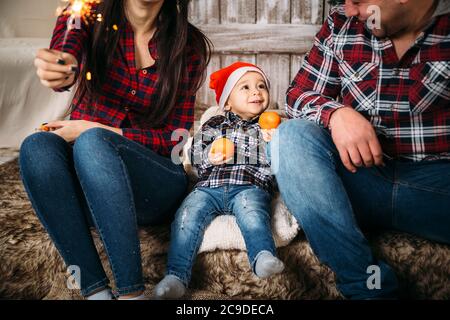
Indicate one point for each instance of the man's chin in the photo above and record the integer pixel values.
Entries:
(379, 33)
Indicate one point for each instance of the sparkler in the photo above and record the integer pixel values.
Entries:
(79, 11)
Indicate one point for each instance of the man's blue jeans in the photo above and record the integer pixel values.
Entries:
(249, 204)
(331, 204)
(107, 181)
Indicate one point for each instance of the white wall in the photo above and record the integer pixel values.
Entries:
(27, 18)
(25, 26)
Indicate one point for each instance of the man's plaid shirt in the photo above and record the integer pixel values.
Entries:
(250, 164)
(406, 101)
(130, 92)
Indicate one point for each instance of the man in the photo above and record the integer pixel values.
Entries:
(370, 143)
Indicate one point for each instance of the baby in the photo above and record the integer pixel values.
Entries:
(242, 188)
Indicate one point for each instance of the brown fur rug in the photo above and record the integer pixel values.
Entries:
(30, 267)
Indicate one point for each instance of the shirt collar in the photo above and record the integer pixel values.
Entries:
(152, 44)
(442, 8)
(234, 119)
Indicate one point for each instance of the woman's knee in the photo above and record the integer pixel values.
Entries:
(41, 149)
(92, 138)
(41, 141)
(92, 143)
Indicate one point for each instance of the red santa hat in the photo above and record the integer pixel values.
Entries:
(224, 80)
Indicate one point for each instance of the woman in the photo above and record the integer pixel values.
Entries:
(109, 165)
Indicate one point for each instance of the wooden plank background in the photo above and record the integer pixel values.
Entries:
(274, 34)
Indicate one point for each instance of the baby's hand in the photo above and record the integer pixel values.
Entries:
(218, 159)
(267, 134)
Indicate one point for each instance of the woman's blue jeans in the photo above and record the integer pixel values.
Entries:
(331, 203)
(107, 181)
(248, 203)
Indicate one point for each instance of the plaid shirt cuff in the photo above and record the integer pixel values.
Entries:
(325, 112)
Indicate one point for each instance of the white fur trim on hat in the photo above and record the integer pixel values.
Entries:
(234, 78)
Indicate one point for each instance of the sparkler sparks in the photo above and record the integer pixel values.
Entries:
(79, 11)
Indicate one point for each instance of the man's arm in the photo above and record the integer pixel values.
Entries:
(313, 92)
(312, 96)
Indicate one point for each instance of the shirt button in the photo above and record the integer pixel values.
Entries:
(127, 109)
(144, 71)
(133, 92)
(396, 72)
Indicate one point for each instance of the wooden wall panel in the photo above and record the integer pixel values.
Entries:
(204, 12)
(274, 34)
(277, 69)
(205, 94)
(307, 11)
(255, 38)
(273, 11)
(237, 11)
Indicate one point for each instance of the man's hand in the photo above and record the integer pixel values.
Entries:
(55, 69)
(70, 130)
(355, 139)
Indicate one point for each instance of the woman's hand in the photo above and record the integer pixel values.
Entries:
(70, 130)
(55, 69)
(268, 134)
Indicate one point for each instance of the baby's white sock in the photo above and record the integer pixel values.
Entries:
(169, 288)
(267, 265)
(105, 294)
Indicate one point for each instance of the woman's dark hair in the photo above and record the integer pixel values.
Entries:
(173, 33)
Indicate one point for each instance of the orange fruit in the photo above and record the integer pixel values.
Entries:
(44, 128)
(224, 146)
(269, 120)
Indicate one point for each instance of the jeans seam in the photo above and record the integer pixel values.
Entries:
(131, 196)
(130, 193)
(178, 172)
(198, 242)
(130, 289)
(94, 219)
(254, 211)
(394, 197)
(112, 263)
(194, 249)
(56, 243)
(103, 283)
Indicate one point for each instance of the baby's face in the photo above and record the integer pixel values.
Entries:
(249, 97)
